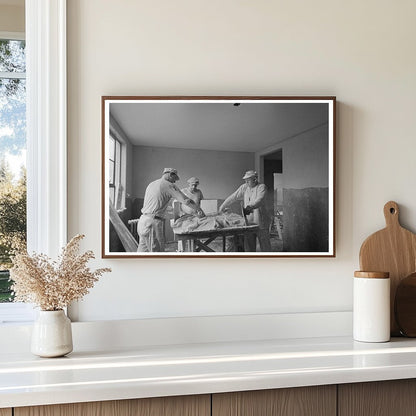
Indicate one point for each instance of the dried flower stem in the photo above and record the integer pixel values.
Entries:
(53, 285)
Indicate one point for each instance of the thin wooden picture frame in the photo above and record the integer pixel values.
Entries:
(161, 154)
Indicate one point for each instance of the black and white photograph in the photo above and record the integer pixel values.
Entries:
(218, 176)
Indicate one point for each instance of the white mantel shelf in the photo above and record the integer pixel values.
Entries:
(169, 370)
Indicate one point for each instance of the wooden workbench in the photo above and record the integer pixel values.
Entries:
(193, 240)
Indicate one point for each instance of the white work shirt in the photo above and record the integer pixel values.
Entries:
(157, 196)
(195, 196)
(256, 198)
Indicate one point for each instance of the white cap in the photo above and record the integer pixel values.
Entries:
(193, 180)
(250, 174)
(171, 170)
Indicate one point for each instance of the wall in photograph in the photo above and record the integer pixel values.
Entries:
(305, 159)
(220, 172)
(305, 191)
(301, 189)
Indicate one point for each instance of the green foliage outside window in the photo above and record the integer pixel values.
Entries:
(12, 149)
(12, 224)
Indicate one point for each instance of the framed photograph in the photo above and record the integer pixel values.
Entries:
(218, 176)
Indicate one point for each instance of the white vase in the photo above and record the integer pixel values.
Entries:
(52, 334)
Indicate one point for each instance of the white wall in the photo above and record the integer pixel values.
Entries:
(220, 173)
(12, 18)
(360, 51)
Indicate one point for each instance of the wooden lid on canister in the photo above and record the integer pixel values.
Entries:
(372, 275)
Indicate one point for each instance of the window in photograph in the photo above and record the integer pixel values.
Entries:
(116, 189)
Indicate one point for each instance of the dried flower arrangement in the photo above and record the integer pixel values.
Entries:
(52, 285)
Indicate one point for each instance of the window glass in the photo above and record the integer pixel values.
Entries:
(111, 172)
(111, 162)
(116, 188)
(12, 55)
(112, 148)
(12, 156)
(117, 167)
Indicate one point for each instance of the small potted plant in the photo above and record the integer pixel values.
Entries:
(51, 286)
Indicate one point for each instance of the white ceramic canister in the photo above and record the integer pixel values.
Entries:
(371, 309)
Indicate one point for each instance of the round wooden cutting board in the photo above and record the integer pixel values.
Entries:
(392, 250)
(405, 306)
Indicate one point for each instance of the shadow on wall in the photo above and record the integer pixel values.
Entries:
(305, 220)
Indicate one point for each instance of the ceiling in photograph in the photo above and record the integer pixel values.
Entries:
(248, 127)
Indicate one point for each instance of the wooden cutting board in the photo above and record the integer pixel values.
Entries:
(405, 306)
(393, 250)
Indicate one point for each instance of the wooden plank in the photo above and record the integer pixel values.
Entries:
(5, 412)
(300, 401)
(160, 406)
(381, 398)
(128, 241)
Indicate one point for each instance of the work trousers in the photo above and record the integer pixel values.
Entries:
(264, 241)
(151, 235)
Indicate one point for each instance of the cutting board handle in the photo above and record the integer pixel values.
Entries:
(391, 214)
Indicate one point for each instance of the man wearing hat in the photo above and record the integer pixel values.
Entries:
(253, 194)
(156, 199)
(193, 193)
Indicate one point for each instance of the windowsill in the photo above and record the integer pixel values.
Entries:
(16, 313)
(151, 371)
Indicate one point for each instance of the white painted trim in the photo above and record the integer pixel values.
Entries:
(11, 313)
(189, 330)
(46, 125)
(12, 35)
(46, 135)
(13, 75)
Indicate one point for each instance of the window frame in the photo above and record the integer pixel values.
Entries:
(112, 172)
(17, 312)
(12, 36)
(46, 118)
(120, 174)
(46, 125)
(117, 187)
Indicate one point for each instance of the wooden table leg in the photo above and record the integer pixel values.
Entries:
(180, 246)
(199, 246)
(190, 245)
